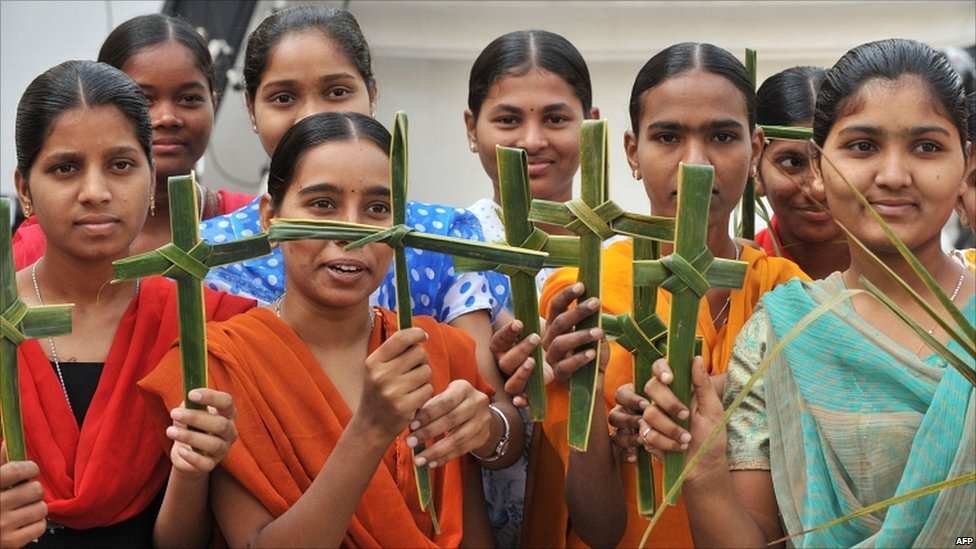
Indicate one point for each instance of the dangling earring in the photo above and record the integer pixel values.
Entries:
(28, 209)
(152, 204)
(754, 171)
(637, 175)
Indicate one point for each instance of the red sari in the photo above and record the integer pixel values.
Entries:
(110, 468)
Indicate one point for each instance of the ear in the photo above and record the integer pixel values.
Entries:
(594, 113)
(469, 125)
(267, 212)
(23, 190)
(249, 105)
(630, 148)
(374, 95)
(760, 187)
(758, 143)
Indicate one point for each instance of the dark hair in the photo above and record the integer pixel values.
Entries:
(788, 98)
(516, 53)
(688, 56)
(889, 60)
(144, 31)
(315, 130)
(971, 100)
(339, 25)
(76, 84)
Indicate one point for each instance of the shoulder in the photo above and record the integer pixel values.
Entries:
(244, 221)
(229, 201)
(769, 272)
(444, 220)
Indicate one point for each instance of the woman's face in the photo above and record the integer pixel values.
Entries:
(90, 184)
(355, 190)
(306, 73)
(698, 118)
(786, 180)
(181, 105)
(895, 146)
(538, 112)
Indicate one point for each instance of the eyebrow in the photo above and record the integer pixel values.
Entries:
(73, 156)
(326, 79)
(711, 125)
(330, 188)
(552, 107)
(911, 132)
(194, 85)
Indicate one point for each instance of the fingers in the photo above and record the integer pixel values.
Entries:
(22, 507)
(628, 398)
(563, 356)
(560, 303)
(463, 413)
(510, 361)
(706, 398)
(567, 320)
(505, 338)
(396, 345)
(658, 390)
(222, 402)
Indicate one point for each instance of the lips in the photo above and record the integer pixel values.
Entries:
(345, 269)
(893, 207)
(167, 145)
(97, 224)
(538, 166)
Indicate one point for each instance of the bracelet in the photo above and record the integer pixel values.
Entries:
(502, 447)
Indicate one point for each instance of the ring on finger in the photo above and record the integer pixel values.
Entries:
(643, 435)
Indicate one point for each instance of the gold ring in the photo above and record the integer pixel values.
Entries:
(644, 435)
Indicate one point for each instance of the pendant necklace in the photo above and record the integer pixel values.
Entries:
(50, 339)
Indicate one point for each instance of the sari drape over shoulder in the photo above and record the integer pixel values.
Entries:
(113, 466)
(546, 517)
(290, 417)
(852, 418)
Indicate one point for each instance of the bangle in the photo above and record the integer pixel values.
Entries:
(502, 447)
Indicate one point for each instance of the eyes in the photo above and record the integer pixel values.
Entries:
(379, 210)
(289, 98)
(512, 121)
(674, 138)
(120, 166)
(866, 147)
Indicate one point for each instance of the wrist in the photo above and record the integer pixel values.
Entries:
(498, 450)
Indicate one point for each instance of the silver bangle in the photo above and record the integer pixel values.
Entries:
(502, 447)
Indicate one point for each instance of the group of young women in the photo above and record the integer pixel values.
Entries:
(317, 402)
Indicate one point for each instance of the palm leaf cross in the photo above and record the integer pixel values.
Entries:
(18, 322)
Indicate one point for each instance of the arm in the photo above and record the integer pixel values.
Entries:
(725, 509)
(184, 518)
(477, 530)
(594, 492)
(395, 385)
(477, 324)
(22, 507)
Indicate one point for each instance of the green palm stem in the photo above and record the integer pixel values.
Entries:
(748, 203)
(187, 259)
(18, 322)
(688, 273)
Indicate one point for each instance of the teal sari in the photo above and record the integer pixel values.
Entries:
(854, 418)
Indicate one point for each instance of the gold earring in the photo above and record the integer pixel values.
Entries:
(754, 171)
(637, 175)
(473, 147)
(28, 209)
(152, 205)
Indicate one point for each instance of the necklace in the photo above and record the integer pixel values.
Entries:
(952, 299)
(276, 307)
(50, 339)
(728, 298)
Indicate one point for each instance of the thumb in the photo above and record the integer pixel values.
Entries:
(708, 403)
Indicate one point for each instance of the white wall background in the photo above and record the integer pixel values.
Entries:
(423, 51)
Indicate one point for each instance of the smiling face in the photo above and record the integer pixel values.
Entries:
(784, 174)
(698, 118)
(181, 105)
(355, 190)
(306, 73)
(538, 112)
(903, 154)
(89, 184)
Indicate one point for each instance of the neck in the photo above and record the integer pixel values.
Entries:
(943, 268)
(64, 280)
(718, 241)
(817, 259)
(325, 327)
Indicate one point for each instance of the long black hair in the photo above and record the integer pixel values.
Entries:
(70, 85)
(518, 52)
(314, 130)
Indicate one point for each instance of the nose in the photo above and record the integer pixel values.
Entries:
(165, 115)
(313, 105)
(892, 170)
(532, 138)
(94, 190)
(695, 152)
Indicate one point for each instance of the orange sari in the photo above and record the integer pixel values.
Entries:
(547, 520)
(290, 417)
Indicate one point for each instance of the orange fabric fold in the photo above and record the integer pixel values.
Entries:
(113, 466)
(290, 417)
(542, 521)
